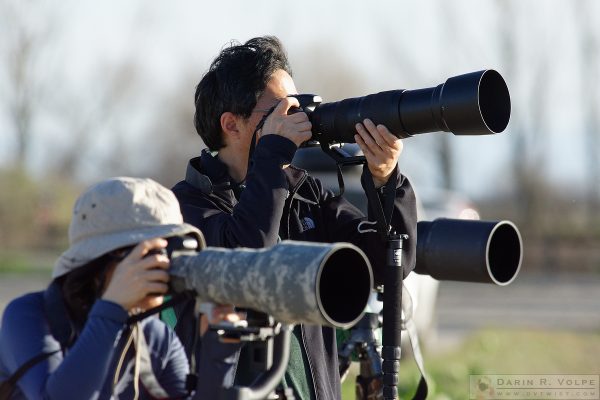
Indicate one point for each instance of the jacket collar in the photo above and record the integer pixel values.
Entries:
(211, 167)
(215, 176)
(61, 326)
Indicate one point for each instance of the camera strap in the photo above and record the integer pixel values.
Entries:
(382, 212)
(143, 365)
(408, 325)
(148, 378)
(255, 134)
(174, 300)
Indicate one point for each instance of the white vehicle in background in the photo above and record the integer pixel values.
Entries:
(432, 203)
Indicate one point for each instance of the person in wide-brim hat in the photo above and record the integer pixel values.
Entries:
(80, 323)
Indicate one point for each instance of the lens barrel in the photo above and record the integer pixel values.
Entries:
(477, 103)
(469, 251)
(295, 282)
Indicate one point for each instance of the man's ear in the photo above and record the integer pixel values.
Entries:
(230, 125)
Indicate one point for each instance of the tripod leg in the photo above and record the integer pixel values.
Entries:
(369, 388)
(392, 317)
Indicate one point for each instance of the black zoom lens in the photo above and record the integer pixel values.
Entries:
(477, 103)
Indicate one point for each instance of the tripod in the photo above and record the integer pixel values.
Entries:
(379, 373)
(363, 340)
(270, 351)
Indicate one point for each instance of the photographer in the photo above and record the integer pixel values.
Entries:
(242, 191)
(78, 328)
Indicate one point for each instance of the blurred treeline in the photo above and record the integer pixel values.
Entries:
(64, 136)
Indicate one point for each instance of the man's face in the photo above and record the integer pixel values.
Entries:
(279, 86)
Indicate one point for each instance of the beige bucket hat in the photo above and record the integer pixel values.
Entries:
(120, 212)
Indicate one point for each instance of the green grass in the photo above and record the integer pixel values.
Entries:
(24, 263)
(498, 352)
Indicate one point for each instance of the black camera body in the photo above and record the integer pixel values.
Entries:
(178, 245)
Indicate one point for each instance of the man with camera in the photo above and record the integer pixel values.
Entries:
(243, 191)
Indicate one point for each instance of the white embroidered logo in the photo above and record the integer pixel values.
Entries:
(307, 223)
(361, 228)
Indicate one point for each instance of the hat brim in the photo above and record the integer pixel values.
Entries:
(91, 248)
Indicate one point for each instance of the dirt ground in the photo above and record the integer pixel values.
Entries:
(12, 286)
(553, 302)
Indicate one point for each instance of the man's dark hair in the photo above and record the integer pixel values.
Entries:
(234, 82)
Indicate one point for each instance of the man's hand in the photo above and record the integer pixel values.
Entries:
(295, 127)
(221, 313)
(381, 149)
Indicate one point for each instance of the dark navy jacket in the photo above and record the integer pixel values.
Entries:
(86, 369)
(284, 203)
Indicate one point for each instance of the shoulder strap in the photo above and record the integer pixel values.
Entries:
(7, 387)
(410, 327)
(60, 329)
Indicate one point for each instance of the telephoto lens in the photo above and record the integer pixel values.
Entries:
(477, 103)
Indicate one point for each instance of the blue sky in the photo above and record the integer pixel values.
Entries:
(384, 44)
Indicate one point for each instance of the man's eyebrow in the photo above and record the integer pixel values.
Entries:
(267, 107)
(276, 101)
